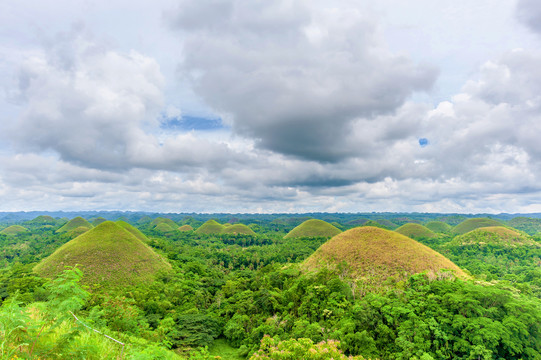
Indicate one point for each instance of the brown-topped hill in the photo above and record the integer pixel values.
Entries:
(374, 254)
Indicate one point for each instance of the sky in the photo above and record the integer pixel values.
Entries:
(245, 106)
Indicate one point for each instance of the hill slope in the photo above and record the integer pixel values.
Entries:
(313, 227)
(472, 224)
(373, 254)
(415, 231)
(109, 255)
(74, 224)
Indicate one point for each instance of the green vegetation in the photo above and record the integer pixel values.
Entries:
(415, 231)
(365, 293)
(238, 229)
(210, 227)
(13, 230)
(74, 224)
(164, 228)
(438, 227)
(312, 228)
(374, 255)
(109, 255)
(43, 220)
(472, 224)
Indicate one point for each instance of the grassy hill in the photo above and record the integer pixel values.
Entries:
(109, 255)
(373, 255)
(472, 224)
(185, 228)
(161, 220)
(74, 224)
(43, 220)
(13, 230)
(238, 229)
(210, 227)
(164, 227)
(495, 235)
(438, 227)
(416, 231)
(313, 227)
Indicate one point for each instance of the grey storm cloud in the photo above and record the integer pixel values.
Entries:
(293, 75)
(529, 12)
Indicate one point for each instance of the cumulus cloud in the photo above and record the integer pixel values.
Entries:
(293, 74)
(99, 108)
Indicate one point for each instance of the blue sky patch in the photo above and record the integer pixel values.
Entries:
(188, 123)
(423, 142)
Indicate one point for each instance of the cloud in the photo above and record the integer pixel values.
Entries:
(529, 12)
(294, 75)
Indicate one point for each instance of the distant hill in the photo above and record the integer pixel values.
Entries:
(161, 220)
(43, 220)
(210, 227)
(313, 228)
(495, 235)
(238, 229)
(185, 228)
(472, 224)
(438, 227)
(13, 230)
(164, 227)
(526, 224)
(373, 255)
(416, 231)
(109, 255)
(74, 224)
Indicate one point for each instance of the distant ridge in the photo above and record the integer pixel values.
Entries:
(109, 255)
(313, 228)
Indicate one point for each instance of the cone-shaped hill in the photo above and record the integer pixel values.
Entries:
(185, 227)
(494, 235)
(98, 221)
(415, 231)
(161, 220)
(472, 224)
(14, 230)
(109, 255)
(438, 227)
(74, 224)
(372, 254)
(164, 227)
(43, 220)
(313, 228)
(210, 227)
(238, 229)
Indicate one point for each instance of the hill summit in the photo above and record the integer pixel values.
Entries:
(374, 255)
(416, 231)
(75, 223)
(472, 224)
(313, 227)
(109, 255)
(493, 235)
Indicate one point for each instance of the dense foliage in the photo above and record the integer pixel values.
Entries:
(248, 293)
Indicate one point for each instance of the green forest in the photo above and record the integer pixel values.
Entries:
(162, 286)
